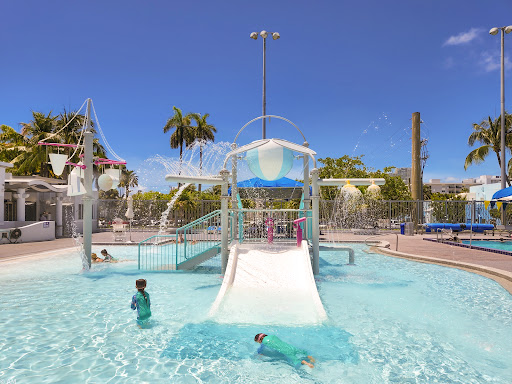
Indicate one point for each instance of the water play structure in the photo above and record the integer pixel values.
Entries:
(268, 256)
(81, 178)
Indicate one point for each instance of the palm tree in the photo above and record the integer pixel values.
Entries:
(128, 179)
(184, 132)
(41, 127)
(13, 145)
(488, 133)
(203, 132)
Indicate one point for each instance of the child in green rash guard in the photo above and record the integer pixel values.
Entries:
(295, 355)
(141, 302)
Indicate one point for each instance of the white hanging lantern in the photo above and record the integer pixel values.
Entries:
(58, 162)
(75, 186)
(105, 182)
(115, 174)
(270, 161)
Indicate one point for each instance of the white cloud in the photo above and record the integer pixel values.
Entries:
(491, 62)
(464, 37)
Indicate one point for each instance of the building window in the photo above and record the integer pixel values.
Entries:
(80, 211)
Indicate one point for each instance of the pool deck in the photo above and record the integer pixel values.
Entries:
(493, 265)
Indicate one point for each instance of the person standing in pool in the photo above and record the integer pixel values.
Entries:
(141, 302)
(295, 355)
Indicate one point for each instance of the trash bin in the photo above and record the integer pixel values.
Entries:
(402, 228)
(409, 229)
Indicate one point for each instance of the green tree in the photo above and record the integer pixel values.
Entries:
(129, 179)
(488, 134)
(12, 145)
(203, 132)
(34, 159)
(183, 132)
(340, 168)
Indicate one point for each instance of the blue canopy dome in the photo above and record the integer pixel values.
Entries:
(284, 187)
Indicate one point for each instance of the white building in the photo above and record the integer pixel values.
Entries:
(39, 207)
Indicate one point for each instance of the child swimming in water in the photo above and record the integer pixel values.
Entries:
(295, 355)
(107, 257)
(141, 302)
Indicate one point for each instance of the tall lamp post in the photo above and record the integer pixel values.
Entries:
(494, 31)
(264, 35)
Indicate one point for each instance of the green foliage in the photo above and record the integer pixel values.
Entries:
(22, 149)
(347, 167)
(183, 131)
(488, 134)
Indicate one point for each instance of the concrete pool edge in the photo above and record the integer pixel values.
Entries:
(42, 254)
(504, 278)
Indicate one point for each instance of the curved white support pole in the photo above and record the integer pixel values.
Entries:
(356, 181)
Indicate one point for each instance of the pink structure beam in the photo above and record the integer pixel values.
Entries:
(58, 144)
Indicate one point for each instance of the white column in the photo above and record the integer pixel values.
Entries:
(315, 233)
(20, 203)
(224, 199)
(88, 197)
(306, 190)
(2, 194)
(234, 190)
(58, 215)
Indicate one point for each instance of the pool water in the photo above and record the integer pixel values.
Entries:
(495, 244)
(390, 321)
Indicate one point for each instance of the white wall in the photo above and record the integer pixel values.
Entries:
(38, 231)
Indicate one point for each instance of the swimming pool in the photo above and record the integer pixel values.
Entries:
(494, 244)
(390, 321)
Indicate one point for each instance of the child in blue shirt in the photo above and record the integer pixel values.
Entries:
(141, 302)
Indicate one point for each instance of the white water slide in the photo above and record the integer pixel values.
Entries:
(268, 284)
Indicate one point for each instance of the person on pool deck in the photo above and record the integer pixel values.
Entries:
(141, 302)
(295, 355)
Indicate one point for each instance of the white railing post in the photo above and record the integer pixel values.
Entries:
(315, 221)
(224, 199)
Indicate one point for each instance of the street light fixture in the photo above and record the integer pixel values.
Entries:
(494, 31)
(264, 35)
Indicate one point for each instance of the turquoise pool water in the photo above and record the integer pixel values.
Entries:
(390, 321)
(503, 245)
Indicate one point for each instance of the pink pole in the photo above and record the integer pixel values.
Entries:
(299, 230)
(270, 230)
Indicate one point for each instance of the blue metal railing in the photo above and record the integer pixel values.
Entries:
(168, 252)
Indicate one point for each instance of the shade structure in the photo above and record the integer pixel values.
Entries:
(58, 162)
(283, 188)
(504, 194)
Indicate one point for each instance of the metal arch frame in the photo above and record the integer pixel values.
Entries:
(259, 144)
(263, 117)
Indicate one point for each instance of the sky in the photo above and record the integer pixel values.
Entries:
(348, 74)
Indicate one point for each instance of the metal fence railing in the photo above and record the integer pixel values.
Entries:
(388, 214)
(383, 214)
(169, 252)
(255, 225)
